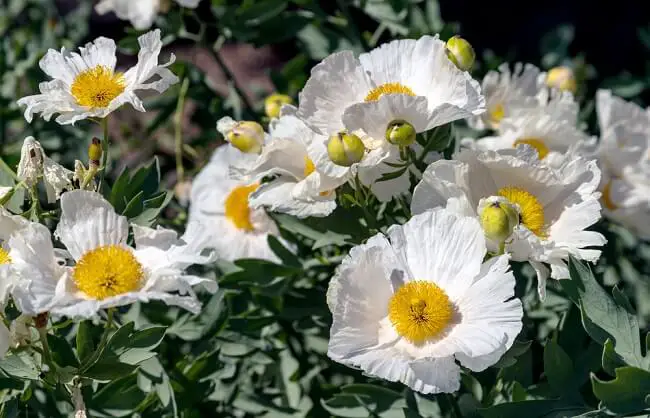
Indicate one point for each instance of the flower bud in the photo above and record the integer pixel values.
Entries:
(562, 78)
(345, 149)
(273, 104)
(95, 151)
(460, 52)
(498, 220)
(400, 133)
(30, 166)
(246, 136)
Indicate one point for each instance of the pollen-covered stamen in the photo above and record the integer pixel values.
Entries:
(388, 88)
(537, 143)
(4, 256)
(495, 114)
(108, 271)
(531, 212)
(97, 87)
(309, 167)
(420, 311)
(236, 207)
(607, 200)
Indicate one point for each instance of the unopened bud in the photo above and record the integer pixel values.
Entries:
(345, 149)
(95, 151)
(400, 133)
(273, 104)
(498, 220)
(460, 52)
(30, 166)
(562, 78)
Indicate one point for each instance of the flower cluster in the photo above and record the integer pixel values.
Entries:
(424, 294)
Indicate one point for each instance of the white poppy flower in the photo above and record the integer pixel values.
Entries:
(140, 13)
(298, 188)
(407, 306)
(551, 129)
(9, 224)
(555, 205)
(406, 81)
(34, 164)
(107, 272)
(221, 204)
(86, 85)
(506, 91)
(624, 157)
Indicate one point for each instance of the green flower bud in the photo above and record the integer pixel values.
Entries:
(95, 151)
(400, 133)
(345, 149)
(562, 78)
(498, 220)
(246, 136)
(273, 104)
(460, 52)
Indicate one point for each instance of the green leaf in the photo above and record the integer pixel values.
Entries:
(109, 370)
(363, 400)
(260, 11)
(62, 351)
(626, 393)
(85, 346)
(287, 257)
(558, 367)
(533, 409)
(14, 366)
(603, 318)
(393, 175)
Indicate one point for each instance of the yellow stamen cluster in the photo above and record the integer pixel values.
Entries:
(108, 271)
(531, 212)
(537, 143)
(388, 88)
(607, 200)
(236, 207)
(309, 167)
(4, 256)
(495, 114)
(97, 87)
(420, 311)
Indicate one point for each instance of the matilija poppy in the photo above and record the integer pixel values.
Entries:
(88, 85)
(384, 97)
(409, 304)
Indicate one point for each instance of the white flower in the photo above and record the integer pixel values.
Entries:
(624, 158)
(9, 224)
(506, 91)
(555, 205)
(141, 13)
(550, 128)
(411, 81)
(34, 164)
(406, 307)
(298, 188)
(220, 203)
(107, 272)
(86, 85)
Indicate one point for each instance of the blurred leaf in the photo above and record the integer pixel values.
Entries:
(558, 367)
(533, 409)
(85, 346)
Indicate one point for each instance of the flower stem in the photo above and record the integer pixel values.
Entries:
(47, 354)
(8, 169)
(178, 130)
(102, 175)
(229, 74)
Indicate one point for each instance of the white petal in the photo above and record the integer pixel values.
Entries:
(334, 84)
(57, 176)
(192, 4)
(276, 196)
(88, 221)
(139, 77)
(445, 183)
(441, 247)
(140, 13)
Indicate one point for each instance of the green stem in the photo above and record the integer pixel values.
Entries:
(8, 169)
(502, 248)
(178, 130)
(47, 354)
(102, 175)
(455, 409)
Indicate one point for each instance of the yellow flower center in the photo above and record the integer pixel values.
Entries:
(309, 167)
(420, 311)
(607, 197)
(537, 143)
(495, 114)
(108, 271)
(97, 87)
(388, 88)
(531, 211)
(4, 256)
(237, 210)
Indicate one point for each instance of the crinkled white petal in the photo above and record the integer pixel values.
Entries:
(140, 13)
(88, 221)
